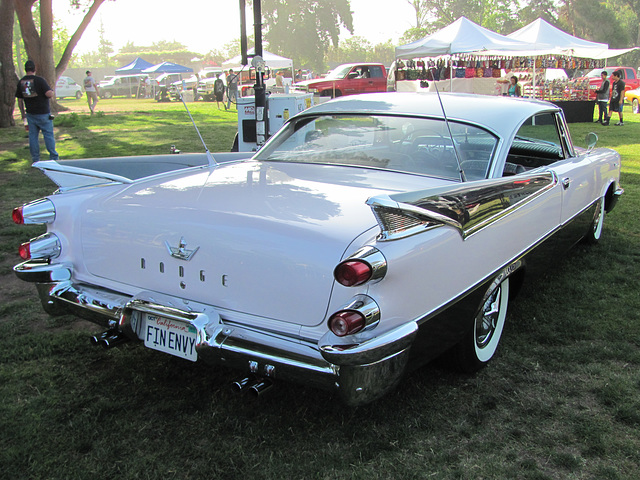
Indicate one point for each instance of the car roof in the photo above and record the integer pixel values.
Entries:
(500, 114)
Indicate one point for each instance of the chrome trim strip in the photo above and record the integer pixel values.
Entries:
(514, 264)
(468, 207)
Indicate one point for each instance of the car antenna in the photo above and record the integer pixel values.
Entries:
(453, 142)
(210, 159)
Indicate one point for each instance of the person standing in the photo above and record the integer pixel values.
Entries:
(617, 97)
(514, 87)
(91, 89)
(232, 88)
(33, 94)
(602, 97)
(218, 91)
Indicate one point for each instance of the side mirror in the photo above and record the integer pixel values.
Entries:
(591, 139)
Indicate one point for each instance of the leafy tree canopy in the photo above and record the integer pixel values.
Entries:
(305, 29)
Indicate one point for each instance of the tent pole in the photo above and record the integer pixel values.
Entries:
(533, 82)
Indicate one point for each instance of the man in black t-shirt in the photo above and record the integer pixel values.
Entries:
(617, 97)
(33, 94)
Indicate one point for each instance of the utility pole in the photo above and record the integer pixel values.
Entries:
(261, 109)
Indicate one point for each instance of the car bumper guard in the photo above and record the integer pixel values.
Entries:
(360, 372)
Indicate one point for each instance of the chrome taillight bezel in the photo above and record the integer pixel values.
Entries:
(363, 305)
(38, 212)
(45, 246)
(368, 255)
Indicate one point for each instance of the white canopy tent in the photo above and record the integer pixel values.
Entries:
(536, 39)
(462, 36)
(271, 60)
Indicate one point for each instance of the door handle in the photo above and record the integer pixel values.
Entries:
(566, 182)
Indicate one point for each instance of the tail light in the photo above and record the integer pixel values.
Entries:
(38, 212)
(360, 314)
(24, 251)
(346, 322)
(366, 265)
(45, 246)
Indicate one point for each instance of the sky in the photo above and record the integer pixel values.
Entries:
(205, 25)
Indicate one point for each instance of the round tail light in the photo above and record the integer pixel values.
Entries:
(16, 215)
(353, 273)
(25, 251)
(346, 322)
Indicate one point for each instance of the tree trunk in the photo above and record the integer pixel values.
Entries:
(39, 46)
(8, 78)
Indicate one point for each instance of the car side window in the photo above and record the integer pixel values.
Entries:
(538, 143)
(375, 71)
(630, 73)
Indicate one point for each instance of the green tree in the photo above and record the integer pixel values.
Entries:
(358, 49)
(39, 43)
(8, 78)
(105, 47)
(303, 30)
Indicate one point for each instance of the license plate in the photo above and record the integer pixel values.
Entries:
(170, 336)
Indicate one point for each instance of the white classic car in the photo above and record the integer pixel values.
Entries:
(67, 87)
(370, 235)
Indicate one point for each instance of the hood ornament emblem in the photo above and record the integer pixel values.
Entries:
(180, 252)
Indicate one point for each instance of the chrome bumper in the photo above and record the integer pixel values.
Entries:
(360, 372)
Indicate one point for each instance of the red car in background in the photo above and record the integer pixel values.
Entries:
(629, 76)
(348, 79)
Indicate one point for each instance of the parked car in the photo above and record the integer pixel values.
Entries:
(190, 83)
(348, 79)
(163, 84)
(67, 87)
(367, 237)
(594, 78)
(127, 85)
(633, 97)
(207, 80)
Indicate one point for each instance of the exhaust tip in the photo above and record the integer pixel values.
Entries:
(261, 387)
(242, 384)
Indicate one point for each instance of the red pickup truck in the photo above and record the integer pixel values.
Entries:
(348, 79)
(629, 77)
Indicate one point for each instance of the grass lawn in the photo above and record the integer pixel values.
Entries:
(560, 401)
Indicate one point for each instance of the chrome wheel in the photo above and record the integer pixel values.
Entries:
(595, 230)
(490, 321)
(483, 335)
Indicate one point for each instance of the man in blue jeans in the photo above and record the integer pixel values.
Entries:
(33, 92)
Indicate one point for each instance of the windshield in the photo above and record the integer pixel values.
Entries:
(596, 72)
(338, 73)
(405, 144)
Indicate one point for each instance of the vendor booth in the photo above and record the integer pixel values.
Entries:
(465, 57)
(135, 67)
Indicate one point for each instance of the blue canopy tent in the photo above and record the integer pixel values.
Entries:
(134, 67)
(167, 67)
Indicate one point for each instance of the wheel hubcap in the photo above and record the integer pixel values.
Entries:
(489, 319)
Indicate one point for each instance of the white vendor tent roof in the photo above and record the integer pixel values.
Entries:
(546, 39)
(540, 34)
(462, 36)
(271, 60)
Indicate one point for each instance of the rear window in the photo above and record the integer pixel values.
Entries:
(376, 71)
(421, 146)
